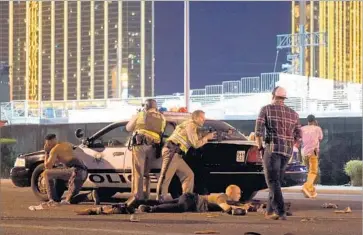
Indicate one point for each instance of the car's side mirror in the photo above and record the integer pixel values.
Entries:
(79, 133)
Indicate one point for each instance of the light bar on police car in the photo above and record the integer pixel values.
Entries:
(176, 114)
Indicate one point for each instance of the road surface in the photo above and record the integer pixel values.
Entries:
(308, 218)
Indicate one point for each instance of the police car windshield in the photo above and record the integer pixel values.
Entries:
(223, 129)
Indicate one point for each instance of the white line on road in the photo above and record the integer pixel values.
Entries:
(118, 231)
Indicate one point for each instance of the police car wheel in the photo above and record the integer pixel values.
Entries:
(175, 188)
(38, 184)
(106, 194)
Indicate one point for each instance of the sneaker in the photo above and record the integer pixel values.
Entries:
(306, 192)
(314, 195)
(52, 203)
(144, 208)
(95, 197)
(275, 216)
(65, 202)
(272, 216)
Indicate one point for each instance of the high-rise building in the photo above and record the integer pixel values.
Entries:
(73, 50)
(342, 58)
(4, 52)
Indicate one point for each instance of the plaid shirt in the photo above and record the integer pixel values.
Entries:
(282, 127)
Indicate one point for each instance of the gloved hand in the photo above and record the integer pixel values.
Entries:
(239, 211)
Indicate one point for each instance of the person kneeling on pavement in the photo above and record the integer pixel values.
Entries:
(192, 202)
(75, 172)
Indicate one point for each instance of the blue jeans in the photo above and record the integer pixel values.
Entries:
(274, 168)
(185, 203)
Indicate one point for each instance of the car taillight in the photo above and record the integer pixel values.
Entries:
(253, 155)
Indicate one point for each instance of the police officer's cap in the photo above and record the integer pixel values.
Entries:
(150, 103)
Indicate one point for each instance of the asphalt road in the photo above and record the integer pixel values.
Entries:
(308, 218)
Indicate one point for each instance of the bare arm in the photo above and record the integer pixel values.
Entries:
(222, 203)
(50, 161)
(130, 126)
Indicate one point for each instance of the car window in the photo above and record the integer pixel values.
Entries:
(169, 128)
(223, 129)
(114, 138)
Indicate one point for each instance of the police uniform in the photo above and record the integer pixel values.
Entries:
(75, 171)
(148, 126)
(184, 136)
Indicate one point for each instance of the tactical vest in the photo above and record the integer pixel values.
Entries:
(150, 124)
(180, 136)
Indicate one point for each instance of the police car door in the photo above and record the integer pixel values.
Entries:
(109, 152)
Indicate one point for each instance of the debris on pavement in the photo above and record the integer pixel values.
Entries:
(330, 205)
(212, 215)
(206, 232)
(43, 206)
(307, 219)
(36, 208)
(345, 211)
(134, 218)
(251, 233)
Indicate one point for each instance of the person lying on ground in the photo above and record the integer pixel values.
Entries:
(188, 202)
(192, 202)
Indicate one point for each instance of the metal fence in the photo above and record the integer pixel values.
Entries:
(244, 97)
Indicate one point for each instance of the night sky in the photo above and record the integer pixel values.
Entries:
(228, 40)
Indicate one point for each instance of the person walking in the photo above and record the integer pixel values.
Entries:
(283, 130)
(311, 137)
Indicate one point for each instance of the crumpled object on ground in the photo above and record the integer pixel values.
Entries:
(345, 211)
(329, 205)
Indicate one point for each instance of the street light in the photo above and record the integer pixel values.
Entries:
(186, 55)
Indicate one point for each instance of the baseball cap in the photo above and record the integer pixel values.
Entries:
(279, 92)
(311, 118)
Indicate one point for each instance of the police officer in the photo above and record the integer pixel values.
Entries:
(75, 172)
(184, 136)
(147, 127)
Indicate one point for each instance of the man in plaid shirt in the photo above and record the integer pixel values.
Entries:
(283, 130)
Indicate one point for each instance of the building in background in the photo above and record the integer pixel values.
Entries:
(68, 50)
(4, 52)
(342, 58)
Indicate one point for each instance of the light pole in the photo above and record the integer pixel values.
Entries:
(186, 55)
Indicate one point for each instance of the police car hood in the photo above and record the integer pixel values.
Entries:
(239, 142)
(40, 152)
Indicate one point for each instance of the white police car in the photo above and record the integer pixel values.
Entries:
(229, 159)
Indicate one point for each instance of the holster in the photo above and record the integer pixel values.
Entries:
(174, 148)
(157, 150)
(138, 139)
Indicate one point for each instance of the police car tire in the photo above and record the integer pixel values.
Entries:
(106, 194)
(175, 188)
(60, 187)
